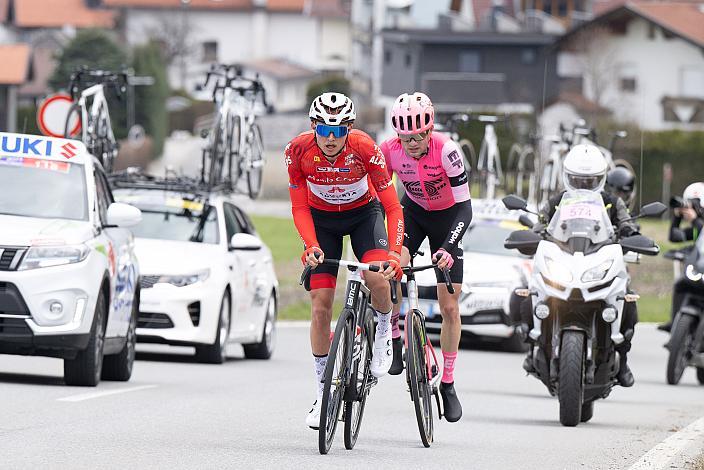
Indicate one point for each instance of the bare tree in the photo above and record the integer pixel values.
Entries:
(597, 61)
(175, 35)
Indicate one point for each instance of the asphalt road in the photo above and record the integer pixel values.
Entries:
(175, 413)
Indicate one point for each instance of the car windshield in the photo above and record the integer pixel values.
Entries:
(170, 217)
(487, 237)
(581, 214)
(34, 187)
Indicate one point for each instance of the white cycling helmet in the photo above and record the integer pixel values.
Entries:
(694, 191)
(332, 109)
(584, 168)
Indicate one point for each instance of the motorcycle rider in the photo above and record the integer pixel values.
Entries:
(688, 208)
(620, 182)
(585, 168)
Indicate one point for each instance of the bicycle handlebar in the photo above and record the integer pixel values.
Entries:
(118, 80)
(233, 73)
(350, 265)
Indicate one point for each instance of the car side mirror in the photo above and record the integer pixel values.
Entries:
(245, 242)
(513, 202)
(123, 215)
(525, 241)
(640, 244)
(654, 209)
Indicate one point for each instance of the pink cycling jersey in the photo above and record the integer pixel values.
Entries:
(437, 180)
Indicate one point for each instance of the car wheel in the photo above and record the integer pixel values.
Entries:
(265, 348)
(86, 368)
(119, 366)
(216, 353)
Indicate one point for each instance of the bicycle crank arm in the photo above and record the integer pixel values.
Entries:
(437, 402)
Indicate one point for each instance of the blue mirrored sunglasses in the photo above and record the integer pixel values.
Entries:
(324, 130)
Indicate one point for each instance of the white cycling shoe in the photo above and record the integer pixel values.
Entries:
(313, 418)
(383, 355)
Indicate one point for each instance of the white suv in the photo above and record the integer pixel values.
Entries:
(68, 273)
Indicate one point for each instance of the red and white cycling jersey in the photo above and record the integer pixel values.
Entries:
(437, 180)
(356, 177)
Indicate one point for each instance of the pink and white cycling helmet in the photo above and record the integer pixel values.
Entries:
(412, 114)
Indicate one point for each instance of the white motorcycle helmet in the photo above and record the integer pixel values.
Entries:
(332, 109)
(584, 168)
(694, 191)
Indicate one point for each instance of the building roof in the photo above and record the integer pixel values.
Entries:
(15, 64)
(177, 4)
(682, 19)
(294, 6)
(428, 36)
(4, 10)
(59, 13)
(280, 69)
(326, 8)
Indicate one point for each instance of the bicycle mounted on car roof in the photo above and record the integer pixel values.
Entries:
(87, 89)
(235, 143)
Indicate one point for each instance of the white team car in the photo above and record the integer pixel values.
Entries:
(207, 278)
(491, 273)
(68, 272)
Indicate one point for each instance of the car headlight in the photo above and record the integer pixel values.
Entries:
(692, 273)
(186, 279)
(46, 256)
(597, 273)
(557, 271)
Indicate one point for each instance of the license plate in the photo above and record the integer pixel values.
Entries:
(429, 307)
(475, 303)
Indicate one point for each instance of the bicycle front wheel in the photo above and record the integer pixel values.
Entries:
(362, 380)
(418, 376)
(336, 376)
(255, 163)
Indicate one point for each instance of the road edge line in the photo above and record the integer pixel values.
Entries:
(676, 446)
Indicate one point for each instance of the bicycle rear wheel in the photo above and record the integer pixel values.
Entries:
(218, 149)
(418, 377)
(354, 409)
(336, 375)
(255, 162)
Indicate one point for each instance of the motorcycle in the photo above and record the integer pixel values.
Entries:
(578, 289)
(686, 345)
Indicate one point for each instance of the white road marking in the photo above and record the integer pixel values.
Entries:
(661, 455)
(90, 396)
(293, 324)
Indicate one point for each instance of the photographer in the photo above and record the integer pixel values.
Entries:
(689, 209)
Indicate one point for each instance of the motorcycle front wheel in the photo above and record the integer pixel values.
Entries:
(681, 340)
(571, 378)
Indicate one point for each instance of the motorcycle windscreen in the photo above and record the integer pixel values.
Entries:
(581, 214)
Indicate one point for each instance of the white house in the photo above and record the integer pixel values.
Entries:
(314, 34)
(642, 60)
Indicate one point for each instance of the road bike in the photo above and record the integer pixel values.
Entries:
(422, 366)
(489, 160)
(523, 162)
(348, 379)
(87, 88)
(235, 147)
(453, 127)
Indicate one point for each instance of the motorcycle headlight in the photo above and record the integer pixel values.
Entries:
(597, 273)
(557, 272)
(46, 256)
(186, 279)
(692, 273)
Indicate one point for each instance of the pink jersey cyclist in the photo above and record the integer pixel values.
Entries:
(436, 205)
(436, 181)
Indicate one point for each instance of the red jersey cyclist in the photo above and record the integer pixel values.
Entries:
(337, 179)
(436, 205)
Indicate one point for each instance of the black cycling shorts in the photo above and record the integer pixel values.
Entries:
(364, 225)
(435, 225)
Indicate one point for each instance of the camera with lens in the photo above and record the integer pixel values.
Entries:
(678, 202)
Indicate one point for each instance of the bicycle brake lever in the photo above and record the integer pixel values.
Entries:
(448, 282)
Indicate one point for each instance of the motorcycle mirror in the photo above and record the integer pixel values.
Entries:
(525, 241)
(513, 202)
(654, 209)
(525, 221)
(640, 244)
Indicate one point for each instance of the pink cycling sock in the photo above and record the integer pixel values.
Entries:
(395, 332)
(448, 368)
